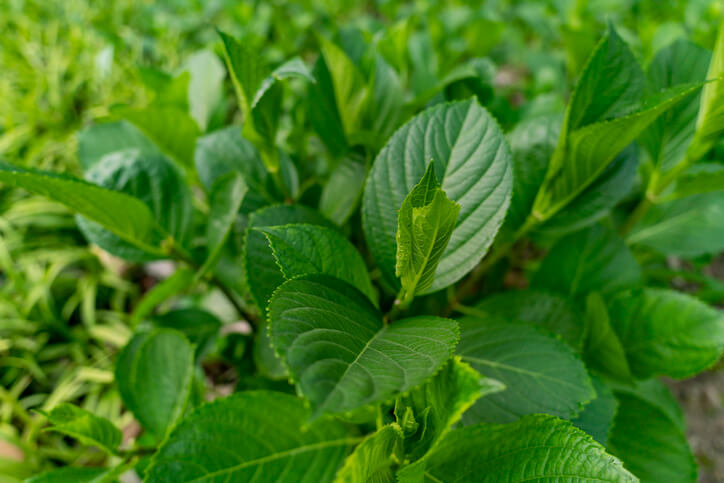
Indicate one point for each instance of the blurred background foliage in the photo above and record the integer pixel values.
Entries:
(66, 63)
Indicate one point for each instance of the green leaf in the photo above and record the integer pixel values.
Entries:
(341, 355)
(205, 86)
(594, 259)
(586, 152)
(250, 434)
(667, 333)
(127, 217)
(603, 350)
(473, 162)
(388, 95)
(373, 460)
(610, 85)
(548, 310)
(71, 474)
(173, 130)
(225, 200)
(650, 443)
(157, 399)
(349, 87)
(342, 192)
(196, 324)
(597, 417)
(536, 448)
(439, 403)
(308, 249)
(155, 182)
(687, 227)
(85, 426)
(710, 123)
(424, 226)
(181, 280)
(225, 151)
(668, 138)
(263, 274)
(700, 178)
(265, 359)
(323, 113)
(97, 140)
(541, 374)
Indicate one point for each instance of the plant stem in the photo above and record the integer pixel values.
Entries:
(641, 209)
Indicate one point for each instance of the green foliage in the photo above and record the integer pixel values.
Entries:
(413, 262)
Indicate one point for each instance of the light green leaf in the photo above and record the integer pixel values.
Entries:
(667, 333)
(700, 178)
(650, 443)
(710, 123)
(594, 259)
(687, 227)
(341, 355)
(424, 226)
(173, 130)
(349, 87)
(301, 249)
(668, 138)
(293, 68)
(388, 96)
(586, 152)
(541, 373)
(252, 434)
(225, 200)
(373, 460)
(262, 271)
(603, 351)
(548, 310)
(597, 417)
(154, 373)
(473, 162)
(85, 426)
(97, 140)
(205, 86)
(342, 192)
(536, 448)
(247, 70)
(152, 180)
(70, 474)
(439, 403)
(125, 216)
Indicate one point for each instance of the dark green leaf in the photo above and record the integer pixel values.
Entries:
(710, 123)
(700, 178)
(341, 355)
(603, 351)
(154, 373)
(252, 434)
(301, 249)
(541, 374)
(597, 417)
(342, 192)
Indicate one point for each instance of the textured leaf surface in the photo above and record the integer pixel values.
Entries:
(154, 181)
(124, 215)
(667, 333)
(541, 374)
(97, 140)
(650, 443)
(597, 417)
(535, 448)
(373, 460)
(339, 352)
(710, 123)
(424, 225)
(686, 227)
(439, 403)
(153, 374)
(262, 270)
(85, 426)
(473, 162)
(594, 259)
(308, 249)
(252, 435)
(549, 310)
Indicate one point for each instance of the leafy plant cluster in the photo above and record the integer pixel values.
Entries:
(362, 240)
